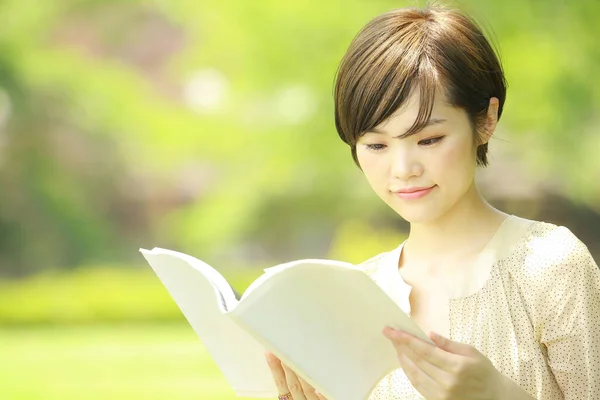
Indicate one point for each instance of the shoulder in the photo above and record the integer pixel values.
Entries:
(548, 254)
(547, 243)
(558, 281)
(374, 266)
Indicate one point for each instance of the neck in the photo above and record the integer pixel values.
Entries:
(462, 231)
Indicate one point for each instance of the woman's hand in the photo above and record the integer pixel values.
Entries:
(448, 369)
(289, 385)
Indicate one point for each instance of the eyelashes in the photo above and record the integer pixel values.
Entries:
(430, 141)
(376, 147)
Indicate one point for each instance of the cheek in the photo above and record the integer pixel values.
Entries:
(458, 157)
(373, 168)
(451, 157)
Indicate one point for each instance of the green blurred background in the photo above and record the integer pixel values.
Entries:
(207, 127)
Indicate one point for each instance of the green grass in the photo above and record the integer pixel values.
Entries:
(150, 362)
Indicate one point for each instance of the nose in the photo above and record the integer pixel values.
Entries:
(405, 164)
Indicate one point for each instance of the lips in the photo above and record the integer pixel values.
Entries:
(414, 192)
(413, 189)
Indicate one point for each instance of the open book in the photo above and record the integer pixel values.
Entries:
(324, 319)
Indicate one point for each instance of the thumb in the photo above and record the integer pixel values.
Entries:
(451, 346)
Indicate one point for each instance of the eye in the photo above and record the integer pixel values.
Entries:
(375, 147)
(430, 141)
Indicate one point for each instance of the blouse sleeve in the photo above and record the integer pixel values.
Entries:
(567, 315)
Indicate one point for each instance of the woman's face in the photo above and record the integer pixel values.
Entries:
(436, 164)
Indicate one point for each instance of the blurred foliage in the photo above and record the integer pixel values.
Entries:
(207, 126)
(355, 241)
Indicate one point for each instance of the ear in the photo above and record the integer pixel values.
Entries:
(491, 120)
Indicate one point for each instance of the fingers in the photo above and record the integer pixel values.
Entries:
(287, 381)
(451, 346)
(424, 364)
(278, 373)
(293, 384)
(420, 380)
(420, 349)
(309, 391)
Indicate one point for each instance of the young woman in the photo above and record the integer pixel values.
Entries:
(512, 305)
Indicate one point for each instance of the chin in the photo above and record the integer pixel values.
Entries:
(417, 214)
(418, 218)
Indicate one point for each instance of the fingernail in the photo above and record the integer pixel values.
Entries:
(437, 336)
(392, 333)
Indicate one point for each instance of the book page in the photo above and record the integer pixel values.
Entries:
(325, 320)
(200, 292)
(268, 272)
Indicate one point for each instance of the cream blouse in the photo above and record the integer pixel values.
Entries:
(532, 306)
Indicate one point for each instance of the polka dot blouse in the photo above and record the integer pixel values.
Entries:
(532, 307)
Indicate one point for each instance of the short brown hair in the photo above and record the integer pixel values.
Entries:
(434, 48)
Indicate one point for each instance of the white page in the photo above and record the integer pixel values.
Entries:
(325, 322)
(193, 285)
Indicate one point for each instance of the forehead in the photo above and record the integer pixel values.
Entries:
(406, 115)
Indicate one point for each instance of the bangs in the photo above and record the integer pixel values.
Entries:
(375, 80)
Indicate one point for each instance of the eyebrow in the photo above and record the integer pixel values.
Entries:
(430, 122)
